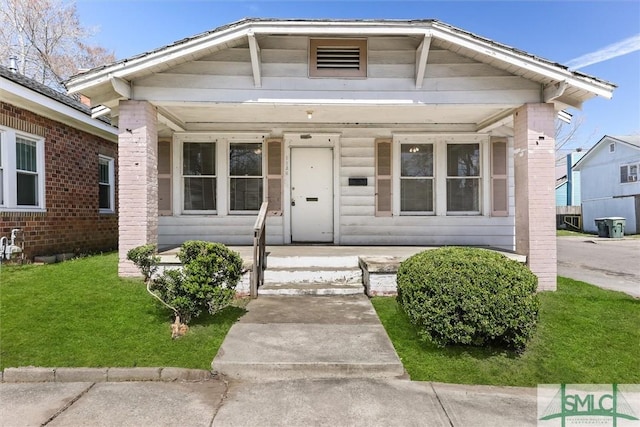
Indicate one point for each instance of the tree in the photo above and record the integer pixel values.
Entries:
(47, 39)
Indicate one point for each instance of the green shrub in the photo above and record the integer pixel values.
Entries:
(469, 296)
(206, 282)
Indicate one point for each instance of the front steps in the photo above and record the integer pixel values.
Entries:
(308, 275)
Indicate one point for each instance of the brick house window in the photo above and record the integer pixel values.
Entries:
(106, 184)
(21, 171)
(338, 58)
(199, 176)
(245, 177)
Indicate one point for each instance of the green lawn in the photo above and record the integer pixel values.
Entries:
(79, 313)
(585, 335)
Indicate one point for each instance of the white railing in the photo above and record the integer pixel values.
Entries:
(259, 252)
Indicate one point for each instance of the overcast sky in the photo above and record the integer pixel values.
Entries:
(600, 38)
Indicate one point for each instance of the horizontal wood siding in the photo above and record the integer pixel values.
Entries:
(230, 230)
(227, 76)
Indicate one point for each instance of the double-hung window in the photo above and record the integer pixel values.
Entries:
(629, 173)
(463, 178)
(416, 178)
(245, 177)
(199, 176)
(106, 184)
(21, 171)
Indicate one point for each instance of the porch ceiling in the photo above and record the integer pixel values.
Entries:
(203, 117)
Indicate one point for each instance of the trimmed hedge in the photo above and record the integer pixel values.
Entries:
(469, 296)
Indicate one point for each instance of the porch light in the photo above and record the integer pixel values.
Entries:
(309, 114)
(414, 149)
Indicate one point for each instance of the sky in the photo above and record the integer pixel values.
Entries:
(599, 38)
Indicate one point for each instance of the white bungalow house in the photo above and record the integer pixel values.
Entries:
(609, 173)
(356, 132)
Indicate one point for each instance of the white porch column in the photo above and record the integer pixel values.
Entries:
(534, 144)
(137, 180)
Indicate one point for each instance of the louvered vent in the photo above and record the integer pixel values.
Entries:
(338, 58)
(347, 58)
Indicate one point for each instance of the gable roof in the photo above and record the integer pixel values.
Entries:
(34, 96)
(570, 87)
(630, 140)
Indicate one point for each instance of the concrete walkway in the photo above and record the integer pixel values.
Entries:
(291, 337)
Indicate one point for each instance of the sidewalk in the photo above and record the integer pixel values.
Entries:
(290, 361)
(320, 402)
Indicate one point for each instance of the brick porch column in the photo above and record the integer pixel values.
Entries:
(534, 150)
(137, 180)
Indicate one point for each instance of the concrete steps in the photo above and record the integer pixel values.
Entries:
(324, 275)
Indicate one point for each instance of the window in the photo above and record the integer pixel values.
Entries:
(199, 176)
(338, 58)
(612, 147)
(463, 178)
(245, 177)
(164, 178)
(416, 178)
(106, 184)
(21, 171)
(629, 173)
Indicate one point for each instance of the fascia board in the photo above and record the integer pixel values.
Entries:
(522, 61)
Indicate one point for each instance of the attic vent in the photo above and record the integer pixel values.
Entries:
(338, 58)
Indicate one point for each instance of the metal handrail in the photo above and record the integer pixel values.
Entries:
(259, 250)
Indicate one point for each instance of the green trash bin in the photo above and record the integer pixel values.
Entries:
(602, 227)
(615, 226)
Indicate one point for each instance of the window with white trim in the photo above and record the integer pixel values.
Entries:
(416, 178)
(463, 178)
(199, 176)
(106, 184)
(245, 177)
(21, 171)
(629, 173)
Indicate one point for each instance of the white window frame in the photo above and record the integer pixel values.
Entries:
(111, 184)
(9, 169)
(215, 176)
(408, 178)
(629, 174)
(479, 177)
(261, 146)
(440, 142)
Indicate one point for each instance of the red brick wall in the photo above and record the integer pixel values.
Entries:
(72, 222)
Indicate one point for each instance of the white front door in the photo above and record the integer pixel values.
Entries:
(311, 194)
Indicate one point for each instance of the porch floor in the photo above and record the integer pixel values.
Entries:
(392, 254)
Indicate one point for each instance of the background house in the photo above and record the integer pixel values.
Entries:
(568, 196)
(609, 182)
(356, 132)
(57, 171)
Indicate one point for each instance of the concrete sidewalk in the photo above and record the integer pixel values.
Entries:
(291, 337)
(290, 361)
(303, 402)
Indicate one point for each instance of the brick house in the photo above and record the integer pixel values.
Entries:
(375, 132)
(57, 171)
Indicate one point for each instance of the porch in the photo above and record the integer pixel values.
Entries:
(325, 269)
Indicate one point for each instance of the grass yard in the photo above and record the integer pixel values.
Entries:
(585, 335)
(80, 314)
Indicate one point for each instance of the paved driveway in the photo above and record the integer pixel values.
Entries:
(608, 263)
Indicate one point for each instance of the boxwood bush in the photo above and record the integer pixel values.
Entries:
(469, 296)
